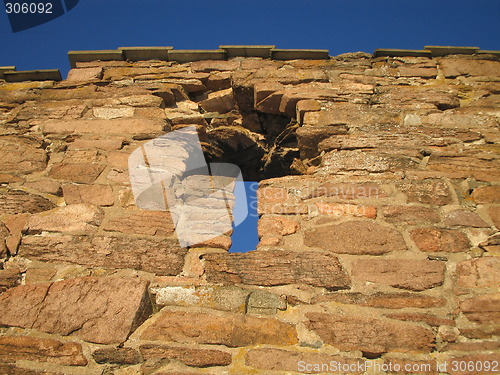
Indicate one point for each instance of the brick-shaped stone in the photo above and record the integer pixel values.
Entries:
(17, 202)
(408, 274)
(483, 308)
(433, 240)
(370, 333)
(233, 330)
(85, 173)
(355, 237)
(268, 268)
(410, 215)
(15, 348)
(195, 357)
(100, 195)
(163, 257)
(99, 310)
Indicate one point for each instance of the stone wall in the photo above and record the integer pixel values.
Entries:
(379, 204)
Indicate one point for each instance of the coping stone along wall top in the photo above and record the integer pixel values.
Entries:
(4, 69)
(248, 51)
(387, 52)
(87, 56)
(33, 75)
(183, 56)
(145, 53)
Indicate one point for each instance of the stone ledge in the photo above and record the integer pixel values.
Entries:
(184, 56)
(451, 50)
(145, 53)
(4, 69)
(488, 52)
(33, 75)
(248, 51)
(88, 56)
(300, 54)
(387, 52)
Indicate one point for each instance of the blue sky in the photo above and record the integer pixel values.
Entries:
(338, 25)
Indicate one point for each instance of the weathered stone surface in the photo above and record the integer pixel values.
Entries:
(383, 300)
(85, 173)
(163, 257)
(100, 195)
(428, 319)
(75, 218)
(21, 155)
(484, 308)
(122, 356)
(486, 194)
(100, 310)
(108, 113)
(214, 65)
(341, 209)
(9, 277)
(433, 240)
(479, 273)
(494, 213)
(347, 191)
(219, 101)
(357, 160)
(410, 214)
(269, 268)
(189, 356)
(434, 192)
(232, 330)
(18, 201)
(151, 223)
(14, 348)
(15, 370)
(84, 74)
(481, 168)
(276, 226)
(400, 273)
(453, 67)
(464, 218)
(310, 136)
(119, 126)
(370, 333)
(305, 362)
(417, 97)
(355, 237)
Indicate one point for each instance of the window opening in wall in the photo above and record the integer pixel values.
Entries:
(244, 237)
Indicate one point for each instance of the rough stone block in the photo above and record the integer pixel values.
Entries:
(16, 348)
(75, 218)
(219, 101)
(371, 333)
(383, 300)
(408, 274)
(18, 202)
(478, 273)
(270, 268)
(189, 356)
(119, 126)
(121, 356)
(355, 237)
(99, 195)
(484, 308)
(306, 362)
(433, 240)
(233, 330)
(151, 223)
(99, 310)
(486, 194)
(85, 173)
(464, 218)
(84, 74)
(21, 155)
(410, 215)
(385, 52)
(163, 257)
